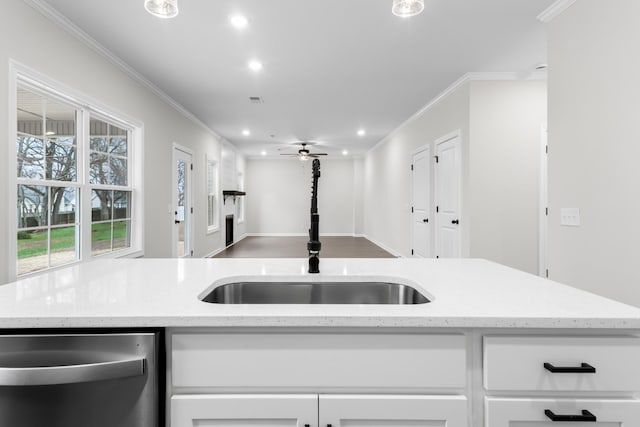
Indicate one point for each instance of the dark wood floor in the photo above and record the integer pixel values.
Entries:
(296, 247)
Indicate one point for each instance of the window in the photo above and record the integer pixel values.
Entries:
(213, 221)
(75, 196)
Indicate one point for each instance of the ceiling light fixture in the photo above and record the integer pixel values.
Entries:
(255, 65)
(239, 21)
(162, 8)
(246, 132)
(361, 132)
(263, 152)
(345, 152)
(407, 8)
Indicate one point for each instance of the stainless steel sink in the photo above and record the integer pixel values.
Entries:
(314, 293)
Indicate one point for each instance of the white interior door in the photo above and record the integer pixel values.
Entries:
(544, 205)
(448, 173)
(421, 204)
(182, 203)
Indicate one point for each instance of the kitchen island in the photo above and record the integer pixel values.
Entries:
(495, 346)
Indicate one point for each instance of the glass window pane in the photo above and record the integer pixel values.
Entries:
(100, 144)
(32, 206)
(118, 170)
(211, 209)
(32, 251)
(64, 201)
(101, 238)
(99, 169)
(118, 145)
(30, 154)
(121, 235)
(121, 204)
(101, 205)
(63, 245)
(61, 161)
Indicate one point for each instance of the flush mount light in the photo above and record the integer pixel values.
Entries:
(239, 21)
(407, 8)
(361, 132)
(162, 8)
(263, 152)
(246, 132)
(255, 65)
(345, 152)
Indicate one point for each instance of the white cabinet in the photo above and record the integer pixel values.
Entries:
(392, 411)
(505, 412)
(317, 411)
(539, 381)
(204, 410)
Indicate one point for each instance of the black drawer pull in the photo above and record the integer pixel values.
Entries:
(585, 417)
(584, 368)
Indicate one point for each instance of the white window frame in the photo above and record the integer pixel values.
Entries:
(23, 76)
(212, 163)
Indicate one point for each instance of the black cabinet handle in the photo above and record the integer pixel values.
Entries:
(307, 425)
(425, 220)
(584, 368)
(585, 417)
(455, 222)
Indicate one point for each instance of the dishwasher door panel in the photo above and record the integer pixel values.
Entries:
(78, 380)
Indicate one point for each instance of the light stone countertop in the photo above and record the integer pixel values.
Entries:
(467, 293)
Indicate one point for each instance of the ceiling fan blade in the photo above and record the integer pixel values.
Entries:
(289, 154)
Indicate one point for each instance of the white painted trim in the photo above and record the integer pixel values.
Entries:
(386, 248)
(468, 77)
(62, 21)
(554, 10)
(425, 147)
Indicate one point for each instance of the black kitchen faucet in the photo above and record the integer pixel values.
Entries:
(314, 245)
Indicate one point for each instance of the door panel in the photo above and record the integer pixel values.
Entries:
(244, 410)
(421, 191)
(182, 204)
(392, 411)
(448, 172)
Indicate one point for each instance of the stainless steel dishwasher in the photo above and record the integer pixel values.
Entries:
(73, 380)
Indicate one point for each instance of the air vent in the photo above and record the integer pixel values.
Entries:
(256, 100)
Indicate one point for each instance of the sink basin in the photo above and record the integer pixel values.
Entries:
(314, 293)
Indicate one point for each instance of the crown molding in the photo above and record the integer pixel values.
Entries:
(468, 77)
(554, 10)
(62, 21)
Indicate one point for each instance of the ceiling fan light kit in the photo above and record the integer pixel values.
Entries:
(162, 8)
(407, 8)
(304, 154)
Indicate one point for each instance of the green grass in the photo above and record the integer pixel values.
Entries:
(65, 239)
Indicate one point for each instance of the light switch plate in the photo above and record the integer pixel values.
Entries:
(570, 217)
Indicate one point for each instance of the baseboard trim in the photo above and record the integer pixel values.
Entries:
(386, 248)
(217, 251)
(302, 235)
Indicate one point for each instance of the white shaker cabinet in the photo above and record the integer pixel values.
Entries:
(318, 411)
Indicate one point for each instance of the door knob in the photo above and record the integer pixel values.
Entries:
(176, 221)
(455, 222)
(425, 220)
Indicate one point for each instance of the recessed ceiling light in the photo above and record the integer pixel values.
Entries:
(361, 132)
(255, 65)
(162, 8)
(345, 152)
(246, 132)
(407, 8)
(264, 153)
(239, 21)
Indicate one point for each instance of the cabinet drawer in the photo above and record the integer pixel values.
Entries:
(532, 412)
(318, 361)
(518, 363)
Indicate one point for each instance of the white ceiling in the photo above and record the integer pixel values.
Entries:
(330, 66)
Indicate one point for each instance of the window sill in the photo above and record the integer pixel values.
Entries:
(212, 230)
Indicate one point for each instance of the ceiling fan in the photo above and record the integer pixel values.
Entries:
(304, 154)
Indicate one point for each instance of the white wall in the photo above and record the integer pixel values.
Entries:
(387, 174)
(279, 196)
(594, 109)
(505, 134)
(500, 123)
(29, 38)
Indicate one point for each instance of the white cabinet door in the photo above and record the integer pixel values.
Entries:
(392, 411)
(538, 412)
(244, 410)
